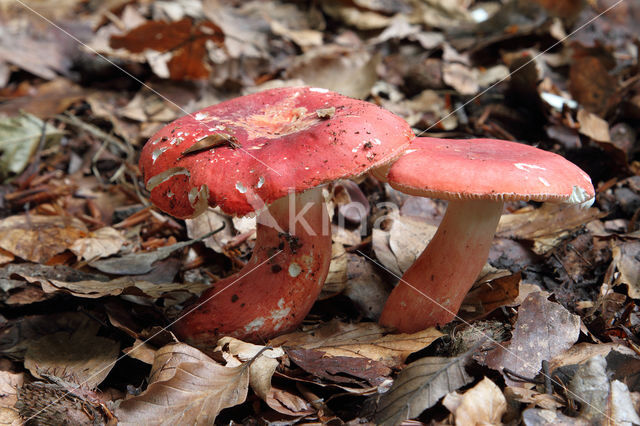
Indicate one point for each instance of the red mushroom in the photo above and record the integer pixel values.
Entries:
(476, 176)
(258, 150)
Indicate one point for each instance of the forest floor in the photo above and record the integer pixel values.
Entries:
(550, 333)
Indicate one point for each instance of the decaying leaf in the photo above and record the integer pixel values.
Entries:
(482, 404)
(543, 330)
(80, 356)
(489, 295)
(360, 340)
(626, 258)
(419, 386)
(185, 387)
(38, 238)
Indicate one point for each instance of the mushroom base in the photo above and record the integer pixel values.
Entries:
(433, 288)
(276, 289)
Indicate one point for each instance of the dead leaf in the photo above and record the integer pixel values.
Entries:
(543, 330)
(81, 356)
(365, 287)
(38, 238)
(593, 126)
(482, 404)
(19, 139)
(365, 340)
(185, 387)
(419, 386)
(94, 289)
(591, 85)
(488, 296)
(141, 263)
(103, 242)
(9, 381)
(547, 225)
(626, 258)
(336, 280)
(340, 369)
(184, 38)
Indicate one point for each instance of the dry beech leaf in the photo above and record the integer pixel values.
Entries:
(626, 257)
(543, 330)
(340, 369)
(9, 381)
(336, 279)
(38, 238)
(547, 225)
(482, 404)
(141, 263)
(593, 126)
(360, 340)
(103, 242)
(81, 356)
(185, 387)
(419, 386)
(94, 289)
(263, 364)
(488, 296)
(533, 397)
(141, 351)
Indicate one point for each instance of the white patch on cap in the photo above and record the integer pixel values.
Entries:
(157, 152)
(544, 181)
(260, 182)
(580, 196)
(254, 325)
(241, 188)
(319, 90)
(528, 167)
(279, 314)
(294, 269)
(200, 116)
(409, 151)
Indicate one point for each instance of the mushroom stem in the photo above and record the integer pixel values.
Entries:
(276, 289)
(447, 268)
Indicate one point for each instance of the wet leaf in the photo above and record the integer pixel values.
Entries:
(419, 386)
(185, 387)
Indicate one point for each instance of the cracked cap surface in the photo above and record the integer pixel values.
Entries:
(249, 151)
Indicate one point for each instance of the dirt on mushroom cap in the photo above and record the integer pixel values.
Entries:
(278, 141)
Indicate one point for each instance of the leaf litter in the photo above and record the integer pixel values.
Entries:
(88, 269)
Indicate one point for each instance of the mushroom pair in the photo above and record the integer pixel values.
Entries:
(476, 176)
(270, 153)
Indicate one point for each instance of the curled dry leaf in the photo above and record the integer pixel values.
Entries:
(185, 387)
(419, 386)
(94, 289)
(482, 404)
(626, 257)
(547, 225)
(38, 238)
(81, 356)
(103, 242)
(361, 340)
(543, 330)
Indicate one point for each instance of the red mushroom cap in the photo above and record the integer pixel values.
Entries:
(488, 169)
(266, 144)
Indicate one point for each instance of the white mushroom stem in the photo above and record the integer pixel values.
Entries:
(433, 288)
(276, 289)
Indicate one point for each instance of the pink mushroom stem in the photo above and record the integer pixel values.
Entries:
(433, 288)
(276, 289)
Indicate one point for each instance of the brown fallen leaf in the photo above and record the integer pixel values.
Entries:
(103, 242)
(360, 340)
(488, 296)
(9, 381)
(340, 369)
(626, 257)
(94, 289)
(545, 226)
(185, 387)
(38, 238)
(80, 356)
(543, 330)
(482, 404)
(419, 386)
